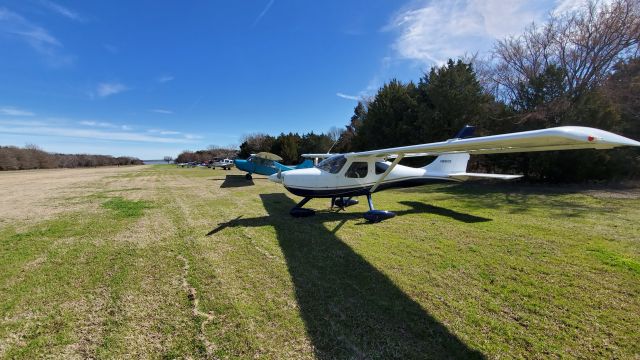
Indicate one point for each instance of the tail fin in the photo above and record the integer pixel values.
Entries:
(452, 163)
(305, 164)
(465, 132)
(449, 164)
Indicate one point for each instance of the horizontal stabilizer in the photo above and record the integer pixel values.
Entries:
(477, 176)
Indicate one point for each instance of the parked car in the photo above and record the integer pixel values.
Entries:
(226, 164)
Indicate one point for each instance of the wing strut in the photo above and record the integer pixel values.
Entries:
(384, 175)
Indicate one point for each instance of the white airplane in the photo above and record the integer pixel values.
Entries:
(225, 164)
(343, 176)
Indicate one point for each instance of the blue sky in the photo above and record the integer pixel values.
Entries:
(153, 78)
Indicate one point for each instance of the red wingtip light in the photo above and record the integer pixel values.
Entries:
(590, 138)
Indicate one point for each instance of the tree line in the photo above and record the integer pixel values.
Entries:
(580, 68)
(213, 152)
(31, 157)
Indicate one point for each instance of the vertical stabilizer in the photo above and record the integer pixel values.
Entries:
(449, 164)
(305, 164)
(452, 163)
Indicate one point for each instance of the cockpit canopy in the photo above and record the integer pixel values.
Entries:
(260, 161)
(332, 164)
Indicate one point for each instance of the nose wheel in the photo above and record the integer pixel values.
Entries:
(342, 202)
(375, 216)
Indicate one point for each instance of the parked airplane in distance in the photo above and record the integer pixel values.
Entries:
(341, 177)
(265, 163)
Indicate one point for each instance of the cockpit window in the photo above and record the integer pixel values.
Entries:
(381, 167)
(332, 164)
(358, 169)
(260, 161)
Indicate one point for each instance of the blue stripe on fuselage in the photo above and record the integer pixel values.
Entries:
(362, 190)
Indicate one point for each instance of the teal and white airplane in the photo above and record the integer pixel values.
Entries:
(341, 177)
(265, 163)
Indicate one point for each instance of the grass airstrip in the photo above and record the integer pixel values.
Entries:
(165, 262)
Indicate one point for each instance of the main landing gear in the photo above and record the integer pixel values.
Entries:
(372, 215)
(248, 176)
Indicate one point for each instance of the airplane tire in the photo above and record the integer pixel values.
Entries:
(347, 203)
(375, 216)
(301, 212)
(248, 176)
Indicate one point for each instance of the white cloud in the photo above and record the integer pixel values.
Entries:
(435, 31)
(99, 131)
(12, 111)
(165, 78)
(161, 111)
(562, 6)
(61, 10)
(108, 89)
(90, 134)
(104, 124)
(23, 122)
(95, 123)
(349, 97)
(164, 132)
(38, 38)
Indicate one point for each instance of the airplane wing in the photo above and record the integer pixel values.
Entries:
(319, 156)
(268, 156)
(558, 138)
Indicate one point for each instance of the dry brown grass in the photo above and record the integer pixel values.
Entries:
(34, 195)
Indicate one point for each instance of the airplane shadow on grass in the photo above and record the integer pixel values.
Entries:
(350, 308)
(419, 207)
(520, 198)
(231, 181)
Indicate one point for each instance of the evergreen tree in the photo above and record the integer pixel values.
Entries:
(450, 97)
(391, 117)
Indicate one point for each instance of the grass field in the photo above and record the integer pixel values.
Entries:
(162, 262)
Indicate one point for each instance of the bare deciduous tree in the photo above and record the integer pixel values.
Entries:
(586, 43)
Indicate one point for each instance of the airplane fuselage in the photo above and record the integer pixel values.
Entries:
(353, 177)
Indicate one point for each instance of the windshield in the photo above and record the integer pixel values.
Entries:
(332, 164)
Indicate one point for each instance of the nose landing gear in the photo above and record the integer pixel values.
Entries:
(342, 202)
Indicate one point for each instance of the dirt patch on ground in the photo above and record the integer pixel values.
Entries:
(34, 195)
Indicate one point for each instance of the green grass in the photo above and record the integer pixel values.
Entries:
(126, 208)
(611, 258)
(463, 271)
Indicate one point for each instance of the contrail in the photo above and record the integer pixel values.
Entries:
(262, 13)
